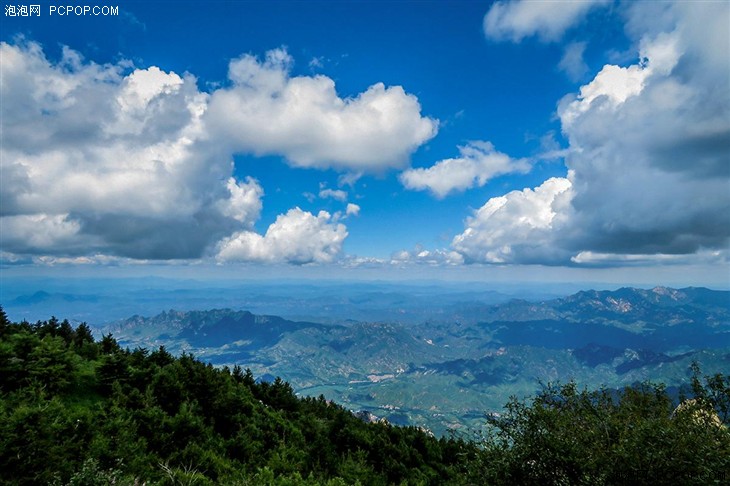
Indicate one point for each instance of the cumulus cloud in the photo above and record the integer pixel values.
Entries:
(614, 85)
(652, 145)
(515, 20)
(110, 161)
(267, 111)
(479, 162)
(649, 157)
(106, 158)
(244, 203)
(518, 226)
(297, 237)
(41, 231)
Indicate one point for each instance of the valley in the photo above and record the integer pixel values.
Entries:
(447, 372)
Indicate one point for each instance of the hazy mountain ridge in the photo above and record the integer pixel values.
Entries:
(215, 327)
(623, 305)
(445, 374)
(658, 304)
(102, 301)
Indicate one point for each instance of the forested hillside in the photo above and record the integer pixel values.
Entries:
(446, 372)
(78, 411)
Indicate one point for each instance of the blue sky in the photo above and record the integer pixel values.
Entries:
(568, 140)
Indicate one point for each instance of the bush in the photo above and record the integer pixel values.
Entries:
(634, 436)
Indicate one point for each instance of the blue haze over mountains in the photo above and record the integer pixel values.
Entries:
(429, 354)
(99, 301)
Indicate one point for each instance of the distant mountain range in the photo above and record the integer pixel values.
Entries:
(100, 301)
(446, 373)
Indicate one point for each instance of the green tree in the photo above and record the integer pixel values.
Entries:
(51, 364)
(568, 436)
(4, 323)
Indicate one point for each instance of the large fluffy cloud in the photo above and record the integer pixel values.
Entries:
(137, 163)
(297, 237)
(106, 159)
(266, 111)
(479, 162)
(96, 161)
(649, 157)
(517, 226)
(517, 19)
(651, 143)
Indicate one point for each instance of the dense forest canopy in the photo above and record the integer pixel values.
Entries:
(80, 411)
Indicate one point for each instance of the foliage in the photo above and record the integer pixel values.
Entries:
(74, 411)
(78, 412)
(634, 436)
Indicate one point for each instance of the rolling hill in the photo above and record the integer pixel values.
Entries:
(446, 374)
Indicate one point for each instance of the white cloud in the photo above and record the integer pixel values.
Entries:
(589, 258)
(651, 147)
(515, 20)
(479, 162)
(352, 261)
(112, 160)
(336, 194)
(572, 62)
(422, 256)
(516, 227)
(119, 162)
(142, 86)
(296, 237)
(352, 210)
(244, 204)
(648, 157)
(613, 85)
(40, 231)
(267, 111)
(349, 178)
